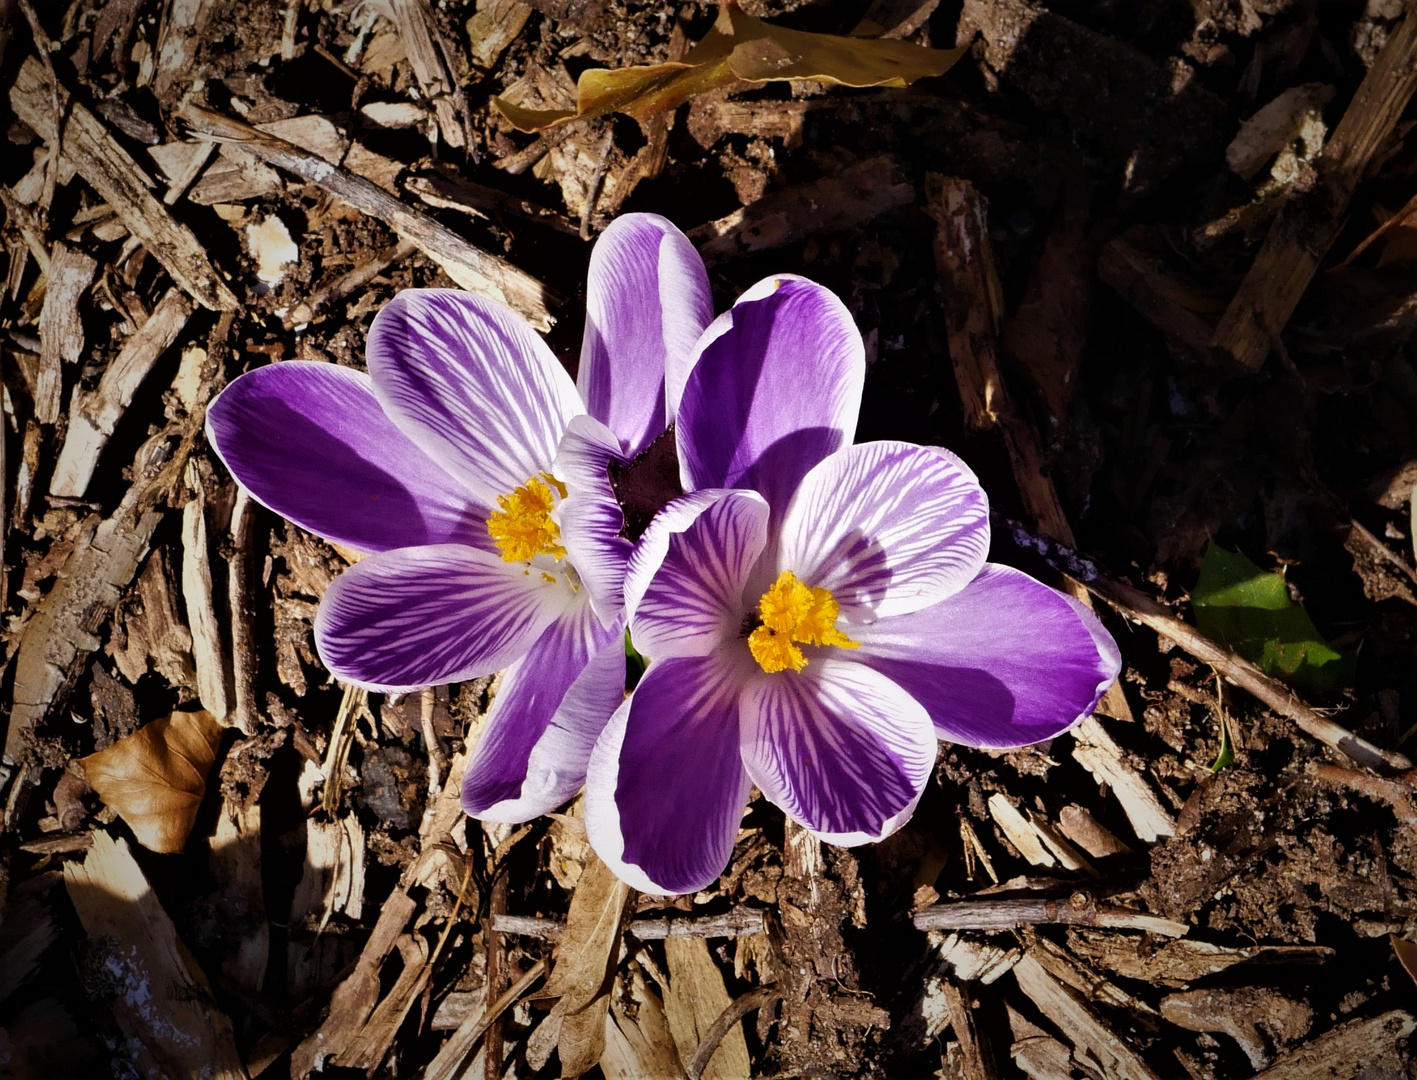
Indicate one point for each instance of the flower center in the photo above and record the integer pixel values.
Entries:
(793, 613)
(523, 528)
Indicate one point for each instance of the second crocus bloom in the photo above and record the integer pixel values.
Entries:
(816, 614)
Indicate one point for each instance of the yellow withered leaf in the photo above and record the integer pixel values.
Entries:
(156, 777)
(739, 47)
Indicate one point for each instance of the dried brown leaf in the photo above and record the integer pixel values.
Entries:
(156, 777)
(1406, 954)
(739, 48)
(586, 954)
(585, 960)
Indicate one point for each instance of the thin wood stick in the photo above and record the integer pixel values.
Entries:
(496, 958)
(242, 605)
(437, 760)
(307, 311)
(740, 922)
(1139, 607)
(1077, 910)
(455, 1051)
(468, 265)
(1396, 793)
(1398, 218)
(737, 1009)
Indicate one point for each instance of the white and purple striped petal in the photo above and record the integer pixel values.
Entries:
(694, 603)
(552, 705)
(309, 441)
(591, 518)
(422, 616)
(675, 517)
(472, 384)
(647, 302)
(839, 747)
(666, 788)
(888, 527)
(775, 388)
(1005, 662)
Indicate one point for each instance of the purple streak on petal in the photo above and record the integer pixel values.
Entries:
(422, 616)
(695, 601)
(470, 382)
(666, 788)
(1005, 662)
(888, 527)
(775, 388)
(591, 518)
(647, 302)
(839, 747)
(309, 441)
(552, 705)
(650, 552)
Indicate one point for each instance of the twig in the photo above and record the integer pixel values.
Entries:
(308, 310)
(1078, 910)
(519, 162)
(597, 183)
(1239, 671)
(457, 1048)
(1397, 219)
(468, 265)
(496, 958)
(241, 603)
(1397, 793)
(451, 191)
(740, 922)
(341, 736)
(437, 760)
(739, 1008)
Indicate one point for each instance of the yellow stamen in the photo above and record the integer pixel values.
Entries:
(793, 613)
(523, 528)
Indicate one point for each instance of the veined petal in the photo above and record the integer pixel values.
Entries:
(1005, 662)
(666, 789)
(469, 381)
(422, 616)
(309, 441)
(553, 704)
(647, 301)
(775, 388)
(839, 747)
(695, 601)
(675, 518)
(591, 518)
(888, 527)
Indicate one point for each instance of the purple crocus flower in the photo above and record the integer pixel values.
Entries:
(815, 614)
(442, 464)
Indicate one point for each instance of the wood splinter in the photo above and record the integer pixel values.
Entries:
(1078, 910)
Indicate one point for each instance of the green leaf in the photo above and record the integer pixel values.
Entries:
(1226, 757)
(1249, 610)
